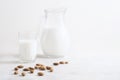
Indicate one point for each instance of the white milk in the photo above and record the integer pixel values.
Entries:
(55, 42)
(27, 50)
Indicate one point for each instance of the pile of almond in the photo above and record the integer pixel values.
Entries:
(21, 70)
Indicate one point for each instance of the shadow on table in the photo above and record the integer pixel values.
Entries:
(47, 57)
(14, 58)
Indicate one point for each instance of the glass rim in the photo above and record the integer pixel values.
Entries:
(29, 35)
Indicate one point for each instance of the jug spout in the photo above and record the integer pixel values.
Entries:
(54, 17)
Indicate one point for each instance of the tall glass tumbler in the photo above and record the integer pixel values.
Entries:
(27, 46)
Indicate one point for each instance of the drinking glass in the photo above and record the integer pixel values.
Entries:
(27, 46)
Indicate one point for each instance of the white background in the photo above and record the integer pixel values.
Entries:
(94, 27)
(93, 24)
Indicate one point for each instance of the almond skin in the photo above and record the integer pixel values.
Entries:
(55, 64)
(22, 74)
(20, 66)
(25, 69)
(15, 73)
(40, 74)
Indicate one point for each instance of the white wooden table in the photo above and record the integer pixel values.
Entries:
(82, 66)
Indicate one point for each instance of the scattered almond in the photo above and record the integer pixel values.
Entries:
(36, 67)
(55, 63)
(20, 66)
(66, 62)
(40, 74)
(31, 71)
(15, 68)
(31, 68)
(51, 70)
(48, 67)
(42, 68)
(16, 72)
(61, 62)
(22, 74)
(26, 69)
(39, 65)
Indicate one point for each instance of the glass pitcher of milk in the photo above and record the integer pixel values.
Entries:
(55, 41)
(27, 46)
